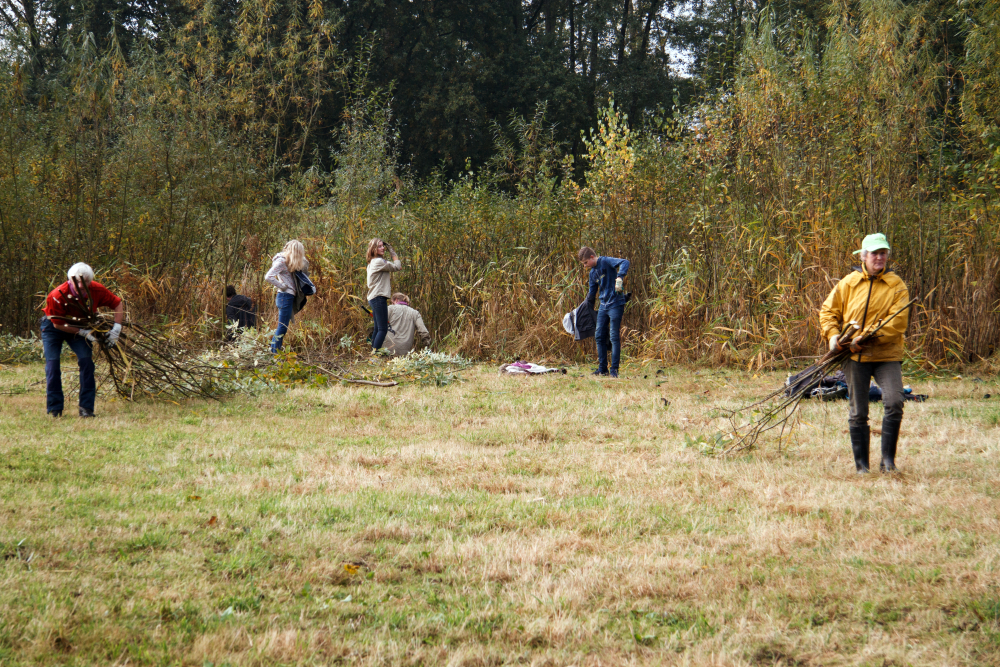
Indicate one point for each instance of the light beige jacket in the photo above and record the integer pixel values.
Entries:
(378, 277)
(404, 324)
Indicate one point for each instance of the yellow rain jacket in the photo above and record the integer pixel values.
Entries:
(885, 294)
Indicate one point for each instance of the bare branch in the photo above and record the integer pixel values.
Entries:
(18, 19)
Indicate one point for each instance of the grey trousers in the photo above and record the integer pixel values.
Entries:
(888, 375)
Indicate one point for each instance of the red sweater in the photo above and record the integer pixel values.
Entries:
(62, 305)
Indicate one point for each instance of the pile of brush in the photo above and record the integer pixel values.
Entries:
(142, 363)
(776, 415)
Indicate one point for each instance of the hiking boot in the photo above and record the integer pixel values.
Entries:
(84, 412)
(890, 436)
(860, 441)
(598, 371)
(613, 374)
(56, 413)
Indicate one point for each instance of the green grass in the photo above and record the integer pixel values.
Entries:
(552, 520)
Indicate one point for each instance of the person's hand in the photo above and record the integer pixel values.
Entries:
(835, 343)
(619, 285)
(116, 331)
(88, 334)
(856, 345)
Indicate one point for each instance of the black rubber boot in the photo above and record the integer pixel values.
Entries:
(890, 436)
(860, 442)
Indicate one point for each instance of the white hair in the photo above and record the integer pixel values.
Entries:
(81, 271)
(864, 253)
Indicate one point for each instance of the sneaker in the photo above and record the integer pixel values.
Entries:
(84, 412)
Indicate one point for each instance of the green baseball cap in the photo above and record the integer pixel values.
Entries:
(872, 243)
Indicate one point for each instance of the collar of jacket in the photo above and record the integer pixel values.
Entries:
(863, 270)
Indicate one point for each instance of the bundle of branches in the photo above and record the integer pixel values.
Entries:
(144, 364)
(427, 367)
(773, 416)
(424, 367)
(15, 350)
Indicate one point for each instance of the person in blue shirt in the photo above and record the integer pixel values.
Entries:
(607, 274)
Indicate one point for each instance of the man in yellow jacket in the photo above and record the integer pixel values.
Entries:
(858, 304)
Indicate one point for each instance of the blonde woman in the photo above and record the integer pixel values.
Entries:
(379, 288)
(291, 259)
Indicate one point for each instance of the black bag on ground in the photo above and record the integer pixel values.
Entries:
(801, 383)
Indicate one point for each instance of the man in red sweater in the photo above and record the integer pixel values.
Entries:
(65, 305)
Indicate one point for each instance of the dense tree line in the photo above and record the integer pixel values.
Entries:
(455, 68)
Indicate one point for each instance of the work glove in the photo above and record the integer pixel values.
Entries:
(856, 345)
(88, 334)
(618, 285)
(834, 343)
(116, 331)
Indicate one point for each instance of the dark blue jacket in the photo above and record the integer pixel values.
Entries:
(603, 276)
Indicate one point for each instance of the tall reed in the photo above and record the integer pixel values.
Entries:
(738, 215)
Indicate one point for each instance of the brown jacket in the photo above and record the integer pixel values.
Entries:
(405, 323)
(884, 294)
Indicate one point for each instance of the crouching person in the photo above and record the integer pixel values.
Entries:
(64, 305)
(870, 294)
(405, 324)
(241, 310)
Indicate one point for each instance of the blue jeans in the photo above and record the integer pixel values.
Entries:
(52, 342)
(609, 324)
(284, 302)
(380, 311)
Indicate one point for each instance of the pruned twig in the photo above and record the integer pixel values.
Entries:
(745, 436)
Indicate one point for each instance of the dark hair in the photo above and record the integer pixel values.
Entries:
(230, 291)
(586, 252)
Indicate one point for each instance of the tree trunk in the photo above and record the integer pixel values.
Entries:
(654, 7)
(572, 37)
(626, 4)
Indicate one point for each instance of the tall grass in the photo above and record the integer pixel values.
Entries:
(738, 215)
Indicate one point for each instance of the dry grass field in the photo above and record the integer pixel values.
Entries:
(555, 520)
